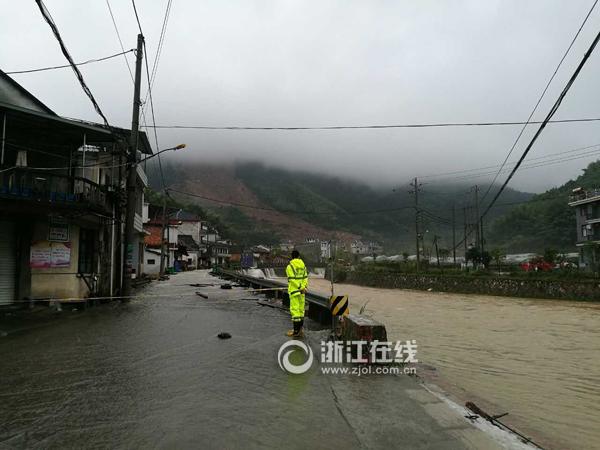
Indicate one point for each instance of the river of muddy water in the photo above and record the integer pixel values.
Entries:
(539, 360)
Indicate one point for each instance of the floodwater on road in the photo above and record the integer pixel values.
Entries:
(539, 360)
(153, 373)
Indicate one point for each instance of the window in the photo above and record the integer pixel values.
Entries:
(87, 244)
(151, 262)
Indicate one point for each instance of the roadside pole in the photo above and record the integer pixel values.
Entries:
(454, 234)
(162, 236)
(132, 171)
(465, 232)
(477, 219)
(415, 185)
(331, 259)
(437, 252)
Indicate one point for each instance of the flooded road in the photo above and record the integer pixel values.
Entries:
(538, 360)
(152, 373)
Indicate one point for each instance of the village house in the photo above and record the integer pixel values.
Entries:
(587, 214)
(62, 202)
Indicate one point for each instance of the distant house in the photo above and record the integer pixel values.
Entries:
(261, 254)
(286, 246)
(152, 251)
(587, 213)
(190, 247)
(153, 240)
(218, 249)
(366, 248)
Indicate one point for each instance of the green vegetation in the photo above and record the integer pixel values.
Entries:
(546, 221)
(383, 214)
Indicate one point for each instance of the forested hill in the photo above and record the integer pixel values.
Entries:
(546, 221)
(268, 204)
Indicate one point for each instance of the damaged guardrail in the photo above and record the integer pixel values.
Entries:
(318, 305)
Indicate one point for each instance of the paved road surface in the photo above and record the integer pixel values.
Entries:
(153, 374)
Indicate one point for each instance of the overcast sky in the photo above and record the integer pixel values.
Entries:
(305, 63)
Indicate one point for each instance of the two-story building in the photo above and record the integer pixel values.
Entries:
(365, 248)
(587, 214)
(62, 202)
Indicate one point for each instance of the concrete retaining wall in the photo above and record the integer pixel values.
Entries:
(512, 287)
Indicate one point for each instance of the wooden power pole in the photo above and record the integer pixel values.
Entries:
(415, 191)
(132, 171)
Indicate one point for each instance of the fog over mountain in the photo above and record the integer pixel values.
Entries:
(310, 63)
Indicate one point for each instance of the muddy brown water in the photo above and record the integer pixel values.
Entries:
(539, 360)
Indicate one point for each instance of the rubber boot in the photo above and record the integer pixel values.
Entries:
(300, 332)
(294, 332)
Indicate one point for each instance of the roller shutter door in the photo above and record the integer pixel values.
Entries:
(7, 263)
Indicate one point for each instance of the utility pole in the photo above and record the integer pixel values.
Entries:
(416, 188)
(482, 238)
(465, 231)
(477, 229)
(454, 234)
(162, 235)
(437, 252)
(332, 262)
(132, 174)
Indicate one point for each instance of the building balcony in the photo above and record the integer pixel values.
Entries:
(582, 197)
(141, 175)
(24, 185)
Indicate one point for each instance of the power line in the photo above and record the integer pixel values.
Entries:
(545, 122)
(137, 18)
(124, 52)
(161, 40)
(53, 27)
(162, 176)
(435, 217)
(112, 16)
(456, 172)
(516, 203)
(526, 167)
(368, 127)
(119, 38)
(150, 95)
(539, 100)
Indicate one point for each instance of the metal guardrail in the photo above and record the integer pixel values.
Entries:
(318, 304)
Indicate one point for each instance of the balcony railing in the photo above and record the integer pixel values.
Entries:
(584, 195)
(42, 186)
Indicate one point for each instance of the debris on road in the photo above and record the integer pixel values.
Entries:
(226, 286)
(224, 335)
(201, 294)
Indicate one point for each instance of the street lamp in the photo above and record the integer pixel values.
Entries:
(164, 218)
(177, 147)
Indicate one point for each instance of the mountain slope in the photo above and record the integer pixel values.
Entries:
(546, 221)
(267, 204)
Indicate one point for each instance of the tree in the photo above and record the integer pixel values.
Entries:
(550, 256)
(473, 255)
(485, 259)
(498, 256)
(444, 253)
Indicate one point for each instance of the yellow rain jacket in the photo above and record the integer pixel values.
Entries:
(297, 276)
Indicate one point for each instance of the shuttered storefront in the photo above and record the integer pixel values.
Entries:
(7, 263)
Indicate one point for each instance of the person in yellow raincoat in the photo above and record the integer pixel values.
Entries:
(297, 276)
